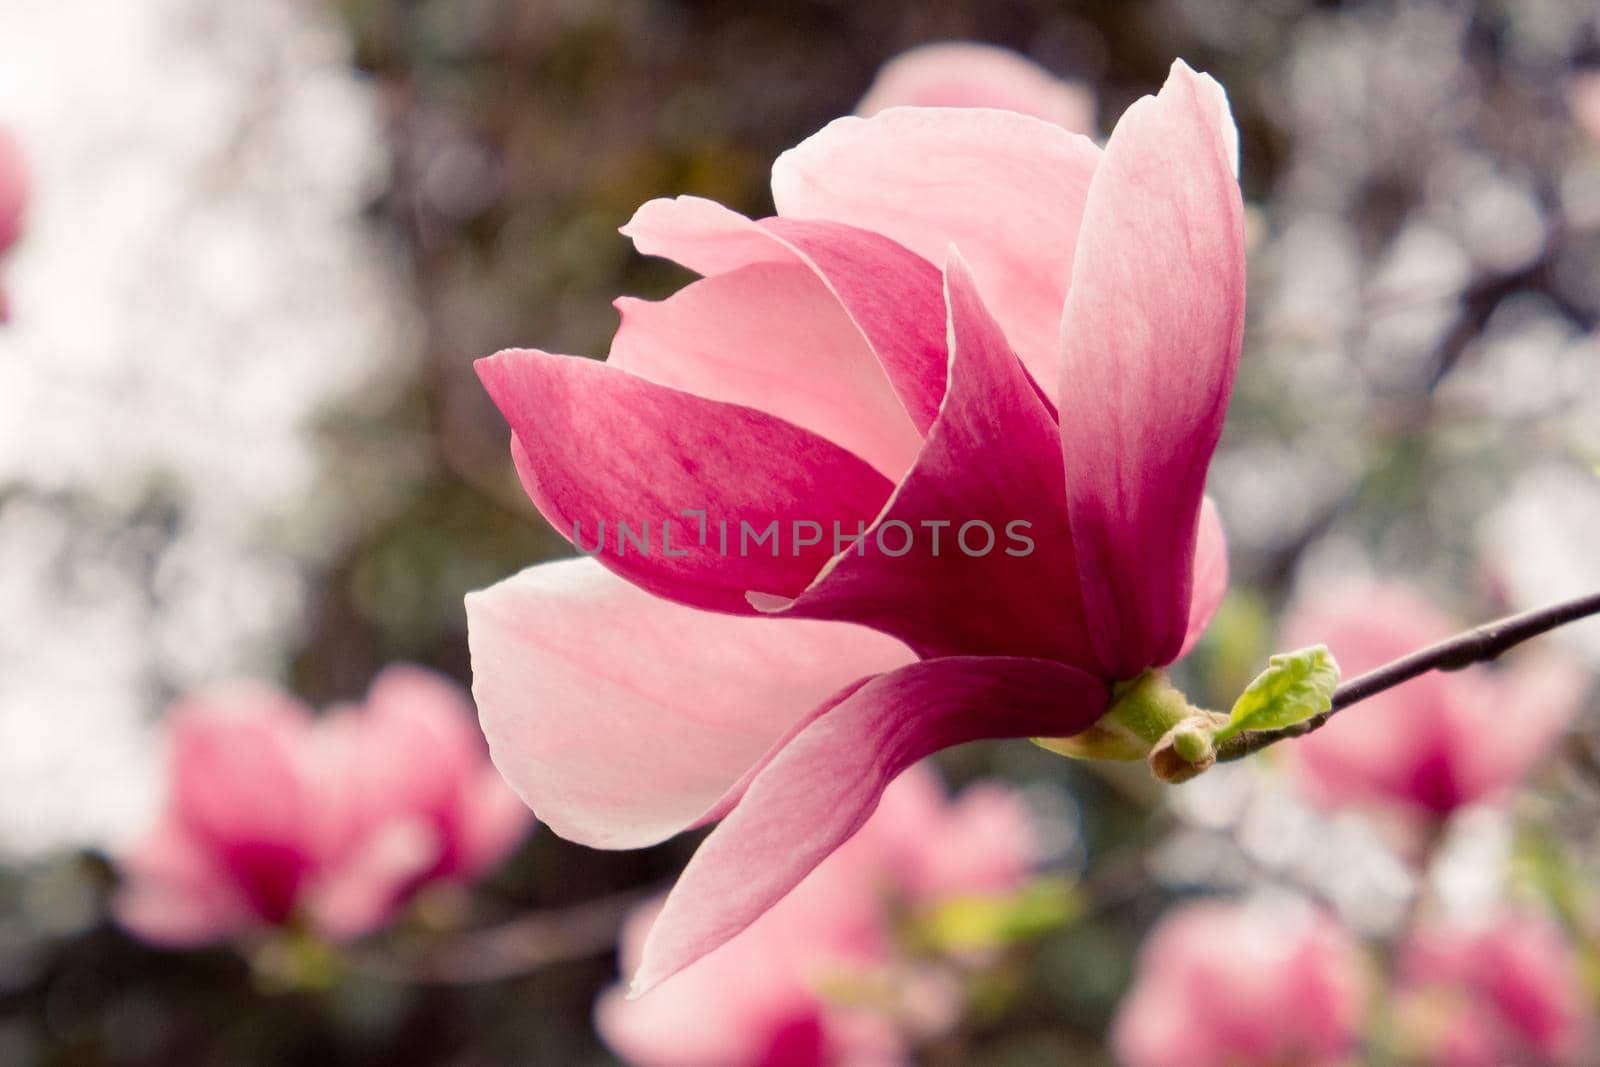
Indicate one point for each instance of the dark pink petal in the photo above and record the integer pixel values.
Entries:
(596, 445)
(773, 337)
(823, 784)
(1149, 341)
(1210, 573)
(622, 718)
(1007, 189)
(993, 459)
(890, 294)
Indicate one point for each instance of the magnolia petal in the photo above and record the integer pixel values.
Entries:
(968, 74)
(622, 719)
(1150, 341)
(1210, 574)
(173, 893)
(889, 293)
(773, 337)
(992, 458)
(230, 749)
(595, 445)
(928, 177)
(824, 783)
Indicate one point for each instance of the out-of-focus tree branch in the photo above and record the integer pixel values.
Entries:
(1479, 645)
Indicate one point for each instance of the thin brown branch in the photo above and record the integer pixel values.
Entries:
(1479, 645)
(513, 948)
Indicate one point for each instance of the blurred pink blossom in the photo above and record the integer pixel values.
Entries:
(1439, 741)
(1253, 985)
(842, 369)
(275, 816)
(1505, 993)
(1583, 101)
(780, 993)
(968, 74)
(13, 200)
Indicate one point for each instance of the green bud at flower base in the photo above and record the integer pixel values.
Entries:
(1151, 719)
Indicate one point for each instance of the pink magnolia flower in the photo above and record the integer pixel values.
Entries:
(826, 379)
(1505, 993)
(1439, 741)
(273, 816)
(763, 999)
(1228, 985)
(13, 199)
(967, 74)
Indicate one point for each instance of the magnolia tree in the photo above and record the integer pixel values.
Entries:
(917, 461)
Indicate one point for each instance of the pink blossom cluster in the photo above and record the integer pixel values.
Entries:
(1439, 741)
(1254, 985)
(274, 816)
(820, 979)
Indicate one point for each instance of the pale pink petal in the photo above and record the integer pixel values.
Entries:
(771, 336)
(981, 842)
(231, 748)
(493, 820)
(421, 755)
(174, 893)
(740, 1006)
(968, 74)
(596, 445)
(889, 293)
(1511, 718)
(1210, 574)
(991, 460)
(421, 741)
(823, 784)
(1007, 189)
(1225, 984)
(1437, 741)
(361, 890)
(621, 718)
(1516, 975)
(1149, 343)
(238, 785)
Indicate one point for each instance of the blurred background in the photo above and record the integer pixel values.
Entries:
(240, 436)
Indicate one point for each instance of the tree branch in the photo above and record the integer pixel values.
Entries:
(1479, 645)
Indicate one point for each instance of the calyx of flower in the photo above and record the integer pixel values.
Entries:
(1149, 719)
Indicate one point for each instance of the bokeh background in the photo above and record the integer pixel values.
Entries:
(240, 434)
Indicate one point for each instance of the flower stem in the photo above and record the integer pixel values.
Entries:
(1478, 645)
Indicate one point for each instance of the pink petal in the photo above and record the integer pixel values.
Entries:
(1006, 188)
(823, 784)
(598, 445)
(361, 891)
(967, 74)
(174, 893)
(233, 749)
(1210, 574)
(494, 820)
(1539, 693)
(420, 739)
(889, 293)
(731, 1009)
(981, 842)
(13, 189)
(621, 718)
(993, 457)
(771, 336)
(1149, 341)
